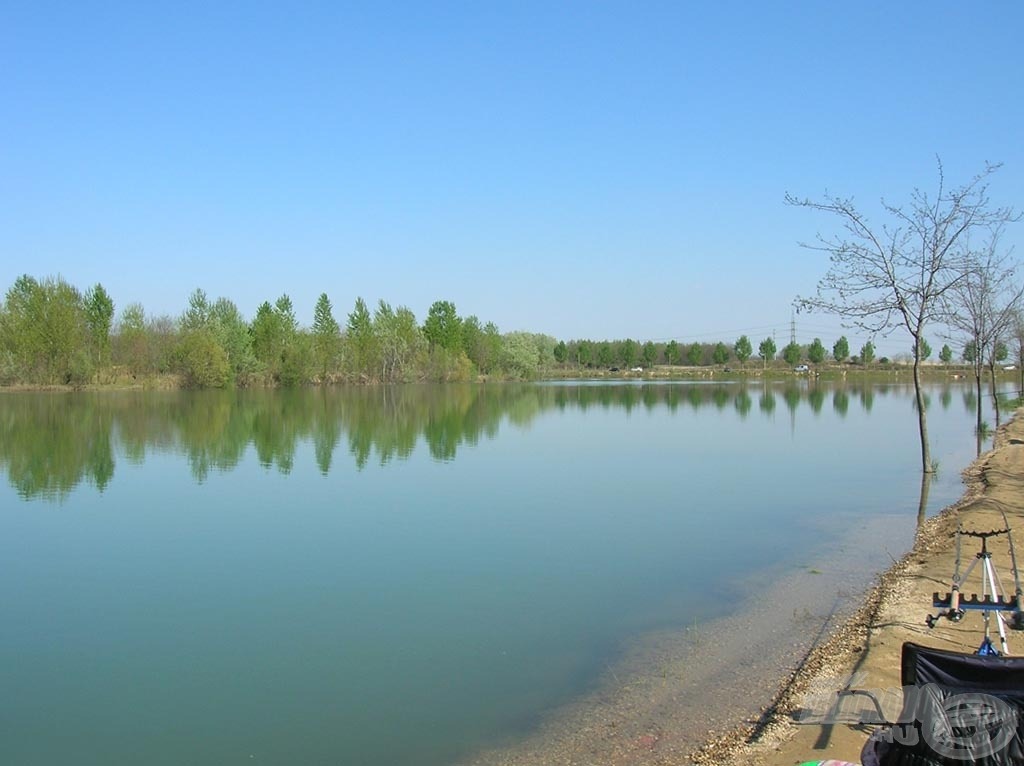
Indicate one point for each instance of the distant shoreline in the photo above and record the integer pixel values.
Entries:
(725, 374)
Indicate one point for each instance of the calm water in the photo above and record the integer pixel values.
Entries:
(403, 575)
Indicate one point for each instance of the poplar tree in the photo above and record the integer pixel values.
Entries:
(743, 349)
(99, 316)
(361, 340)
(695, 355)
(816, 351)
(326, 336)
(841, 349)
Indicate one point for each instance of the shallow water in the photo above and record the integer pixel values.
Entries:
(406, 575)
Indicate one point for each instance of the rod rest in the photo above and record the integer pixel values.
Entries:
(974, 601)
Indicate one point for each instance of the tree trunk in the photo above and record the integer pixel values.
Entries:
(922, 503)
(977, 380)
(922, 418)
(995, 396)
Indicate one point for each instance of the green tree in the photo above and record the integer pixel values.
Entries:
(443, 327)
(792, 353)
(99, 316)
(45, 331)
(672, 353)
(285, 310)
(162, 334)
(220, 323)
(970, 352)
(361, 340)
(268, 339)
(816, 351)
(649, 354)
(766, 350)
(203, 361)
(297, 358)
(561, 352)
(584, 353)
(743, 349)
(326, 336)
(490, 354)
(841, 349)
(627, 352)
(197, 315)
(21, 338)
(274, 339)
(946, 354)
(605, 354)
(924, 349)
(232, 333)
(721, 353)
(545, 350)
(867, 353)
(521, 357)
(472, 335)
(695, 355)
(132, 341)
(400, 342)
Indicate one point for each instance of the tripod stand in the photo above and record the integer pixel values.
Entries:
(992, 601)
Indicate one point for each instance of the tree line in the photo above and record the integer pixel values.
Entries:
(591, 354)
(53, 333)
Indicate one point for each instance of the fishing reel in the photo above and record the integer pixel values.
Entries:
(953, 615)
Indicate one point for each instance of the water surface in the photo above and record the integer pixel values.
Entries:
(405, 575)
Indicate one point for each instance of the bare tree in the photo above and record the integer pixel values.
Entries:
(1018, 336)
(896, 275)
(984, 306)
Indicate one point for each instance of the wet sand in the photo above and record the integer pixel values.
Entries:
(728, 691)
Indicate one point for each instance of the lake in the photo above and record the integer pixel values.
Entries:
(408, 575)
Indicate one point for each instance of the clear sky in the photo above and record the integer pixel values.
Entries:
(585, 169)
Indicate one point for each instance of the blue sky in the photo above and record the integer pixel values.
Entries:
(582, 169)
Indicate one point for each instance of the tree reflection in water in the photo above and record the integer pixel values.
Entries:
(51, 443)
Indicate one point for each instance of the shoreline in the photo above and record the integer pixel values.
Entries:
(674, 694)
(654, 705)
(826, 373)
(866, 647)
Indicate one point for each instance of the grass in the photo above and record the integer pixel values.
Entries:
(1010, 403)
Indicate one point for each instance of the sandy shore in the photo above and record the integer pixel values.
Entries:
(676, 690)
